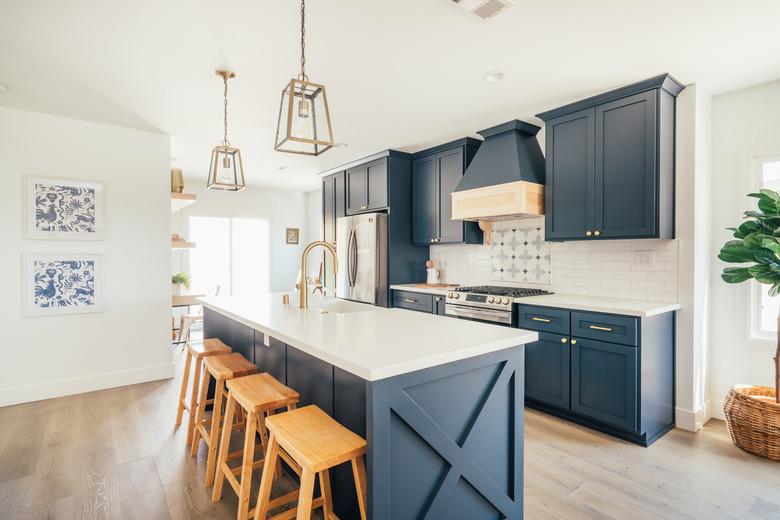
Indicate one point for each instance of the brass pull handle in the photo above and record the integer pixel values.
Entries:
(597, 232)
(409, 300)
(588, 233)
(605, 329)
(543, 320)
(574, 342)
(564, 340)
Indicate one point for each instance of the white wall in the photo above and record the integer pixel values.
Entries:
(742, 121)
(693, 214)
(129, 342)
(313, 227)
(282, 208)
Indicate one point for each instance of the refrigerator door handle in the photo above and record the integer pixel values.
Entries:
(349, 258)
(353, 251)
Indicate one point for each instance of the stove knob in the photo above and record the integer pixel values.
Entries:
(456, 295)
(491, 299)
(505, 301)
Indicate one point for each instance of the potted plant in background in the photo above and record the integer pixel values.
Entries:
(178, 280)
(753, 412)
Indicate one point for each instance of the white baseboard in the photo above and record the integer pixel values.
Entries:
(691, 420)
(80, 385)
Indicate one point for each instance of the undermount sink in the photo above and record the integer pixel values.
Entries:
(342, 307)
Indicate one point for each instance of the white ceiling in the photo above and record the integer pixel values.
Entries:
(400, 74)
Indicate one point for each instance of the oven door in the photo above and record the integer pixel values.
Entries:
(465, 312)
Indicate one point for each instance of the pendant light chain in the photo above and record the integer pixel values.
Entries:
(302, 76)
(225, 141)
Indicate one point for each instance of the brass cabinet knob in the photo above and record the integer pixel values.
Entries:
(597, 232)
(574, 342)
(588, 233)
(564, 340)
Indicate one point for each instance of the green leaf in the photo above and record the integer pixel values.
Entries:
(736, 274)
(763, 274)
(774, 290)
(735, 252)
(772, 243)
(770, 194)
(765, 256)
(746, 228)
(767, 205)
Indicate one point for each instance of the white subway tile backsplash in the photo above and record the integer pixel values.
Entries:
(604, 268)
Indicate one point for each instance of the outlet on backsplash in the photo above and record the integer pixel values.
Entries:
(608, 268)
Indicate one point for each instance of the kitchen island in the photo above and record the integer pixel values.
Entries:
(439, 400)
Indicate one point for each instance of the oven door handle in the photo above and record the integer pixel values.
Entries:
(478, 314)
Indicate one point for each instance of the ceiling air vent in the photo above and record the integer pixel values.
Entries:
(484, 9)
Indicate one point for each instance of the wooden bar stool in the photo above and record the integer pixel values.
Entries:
(197, 350)
(257, 395)
(316, 443)
(221, 368)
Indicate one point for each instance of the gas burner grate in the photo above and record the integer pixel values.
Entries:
(496, 290)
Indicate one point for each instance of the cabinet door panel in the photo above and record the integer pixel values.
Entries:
(356, 189)
(376, 184)
(439, 305)
(329, 209)
(604, 382)
(569, 189)
(424, 200)
(450, 169)
(312, 378)
(626, 188)
(271, 358)
(547, 370)
(242, 340)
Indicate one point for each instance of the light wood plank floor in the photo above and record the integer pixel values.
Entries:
(115, 454)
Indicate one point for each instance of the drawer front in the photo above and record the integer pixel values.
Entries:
(413, 301)
(543, 319)
(605, 327)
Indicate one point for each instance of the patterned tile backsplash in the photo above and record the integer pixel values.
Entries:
(520, 254)
(599, 268)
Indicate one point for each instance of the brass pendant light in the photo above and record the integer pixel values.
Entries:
(304, 118)
(226, 171)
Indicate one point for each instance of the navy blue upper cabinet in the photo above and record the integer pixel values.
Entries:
(569, 190)
(610, 164)
(367, 187)
(435, 174)
(333, 201)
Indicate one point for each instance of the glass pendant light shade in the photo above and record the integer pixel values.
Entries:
(304, 119)
(226, 171)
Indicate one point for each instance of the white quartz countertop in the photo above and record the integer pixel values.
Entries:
(639, 308)
(370, 342)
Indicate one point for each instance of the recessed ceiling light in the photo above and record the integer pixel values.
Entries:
(494, 76)
(282, 167)
(340, 145)
(4, 88)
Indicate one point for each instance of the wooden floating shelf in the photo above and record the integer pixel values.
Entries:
(182, 245)
(181, 200)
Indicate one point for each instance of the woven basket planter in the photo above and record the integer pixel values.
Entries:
(753, 419)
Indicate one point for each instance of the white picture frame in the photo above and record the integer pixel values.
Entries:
(62, 283)
(63, 209)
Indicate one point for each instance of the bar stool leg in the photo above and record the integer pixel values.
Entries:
(267, 481)
(216, 417)
(194, 403)
(306, 495)
(204, 390)
(327, 497)
(183, 393)
(246, 467)
(359, 473)
(224, 449)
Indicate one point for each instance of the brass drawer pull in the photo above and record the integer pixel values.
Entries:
(409, 300)
(543, 320)
(564, 340)
(605, 329)
(574, 342)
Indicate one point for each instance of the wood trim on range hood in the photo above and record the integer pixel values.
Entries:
(511, 200)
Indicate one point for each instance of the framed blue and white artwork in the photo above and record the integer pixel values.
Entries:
(58, 209)
(62, 284)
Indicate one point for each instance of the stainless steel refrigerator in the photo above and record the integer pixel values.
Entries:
(361, 245)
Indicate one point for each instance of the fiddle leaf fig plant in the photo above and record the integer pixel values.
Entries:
(757, 242)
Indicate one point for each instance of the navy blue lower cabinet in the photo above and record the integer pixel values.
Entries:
(604, 382)
(311, 377)
(271, 358)
(547, 370)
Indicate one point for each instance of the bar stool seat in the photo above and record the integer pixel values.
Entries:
(257, 395)
(221, 368)
(316, 442)
(197, 350)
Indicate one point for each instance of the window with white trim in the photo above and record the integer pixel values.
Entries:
(764, 309)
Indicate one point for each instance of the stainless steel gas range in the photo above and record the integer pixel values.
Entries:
(488, 303)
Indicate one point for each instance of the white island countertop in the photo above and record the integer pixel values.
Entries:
(370, 342)
(579, 302)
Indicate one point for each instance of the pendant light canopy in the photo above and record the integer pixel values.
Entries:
(226, 171)
(304, 118)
